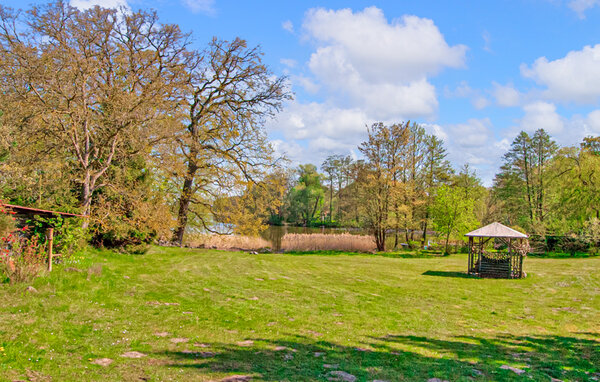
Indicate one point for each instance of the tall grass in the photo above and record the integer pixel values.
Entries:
(229, 242)
(323, 242)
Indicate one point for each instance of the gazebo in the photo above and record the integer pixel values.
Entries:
(502, 264)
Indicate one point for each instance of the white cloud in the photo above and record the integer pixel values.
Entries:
(288, 26)
(573, 78)
(290, 63)
(506, 95)
(480, 102)
(542, 115)
(314, 130)
(580, 6)
(308, 85)
(364, 68)
(86, 4)
(472, 142)
(487, 39)
(463, 90)
(201, 6)
(367, 62)
(407, 49)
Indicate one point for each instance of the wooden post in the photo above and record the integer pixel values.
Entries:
(50, 245)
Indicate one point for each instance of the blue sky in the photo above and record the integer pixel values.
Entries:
(474, 73)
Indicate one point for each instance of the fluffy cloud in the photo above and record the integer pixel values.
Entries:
(379, 66)
(86, 4)
(364, 68)
(472, 142)
(573, 78)
(201, 6)
(313, 131)
(506, 95)
(580, 6)
(542, 115)
(288, 26)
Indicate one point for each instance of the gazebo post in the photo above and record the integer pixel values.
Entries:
(471, 254)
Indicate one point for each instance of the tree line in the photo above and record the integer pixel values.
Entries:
(405, 187)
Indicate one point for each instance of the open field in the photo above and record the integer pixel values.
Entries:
(201, 315)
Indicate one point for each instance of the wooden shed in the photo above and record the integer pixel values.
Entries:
(506, 263)
(23, 214)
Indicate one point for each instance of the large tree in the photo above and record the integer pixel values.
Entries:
(523, 179)
(222, 143)
(381, 187)
(91, 86)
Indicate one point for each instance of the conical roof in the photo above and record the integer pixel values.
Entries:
(496, 230)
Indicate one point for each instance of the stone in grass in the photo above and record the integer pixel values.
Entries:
(280, 348)
(102, 361)
(319, 354)
(179, 340)
(246, 343)
(339, 375)
(436, 380)
(513, 369)
(133, 354)
(333, 366)
(379, 380)
(161, 334)
(237, 378)
(199, 345)
(288, 357)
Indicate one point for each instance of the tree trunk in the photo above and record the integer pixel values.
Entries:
(86, 200)
(424, 240)
(184, 204)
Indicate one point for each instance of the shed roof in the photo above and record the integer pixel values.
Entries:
(496, 230)
(36, 211)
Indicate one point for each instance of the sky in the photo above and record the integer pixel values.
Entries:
(474, 73)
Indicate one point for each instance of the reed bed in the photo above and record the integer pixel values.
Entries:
(323, 242)
(228, 242)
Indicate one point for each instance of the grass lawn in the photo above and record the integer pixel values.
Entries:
(201, 315)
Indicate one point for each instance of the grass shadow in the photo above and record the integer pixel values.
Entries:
(462, 275)
(400, 254)
(401, 358)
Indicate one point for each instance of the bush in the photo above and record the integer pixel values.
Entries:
(21, 258)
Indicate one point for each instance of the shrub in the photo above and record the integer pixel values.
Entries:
(21, 258)
(323, 242)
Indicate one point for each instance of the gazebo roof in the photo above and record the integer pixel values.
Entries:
(496, 230)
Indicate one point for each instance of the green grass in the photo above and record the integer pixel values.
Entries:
(376, 317)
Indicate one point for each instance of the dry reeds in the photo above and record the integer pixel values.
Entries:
(228, 242)
(323, 242)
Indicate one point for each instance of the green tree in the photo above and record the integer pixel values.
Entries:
(453, 212)
(306, 198)
(437, 171)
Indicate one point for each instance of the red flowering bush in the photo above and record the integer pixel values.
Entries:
(21, 258)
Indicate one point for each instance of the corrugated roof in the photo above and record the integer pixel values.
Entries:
(30, 210)
(496, 230)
